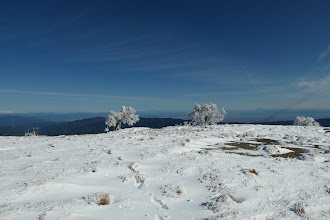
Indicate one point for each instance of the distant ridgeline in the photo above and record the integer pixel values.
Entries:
(84, 126)
(20, 125)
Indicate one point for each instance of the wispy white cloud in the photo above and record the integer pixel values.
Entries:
(324, 54)
(72, 94)
(224, 93)
(153, 57)
(317, 86)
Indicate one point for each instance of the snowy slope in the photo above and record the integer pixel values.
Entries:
(215, 172)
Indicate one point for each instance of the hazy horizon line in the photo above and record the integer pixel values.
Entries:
(161, 110)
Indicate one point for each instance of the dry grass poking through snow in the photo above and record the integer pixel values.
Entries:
(242, 145)
(99, 199)
(234, 146)
(266, 141)
(105, 200)
(172, 191)
(254, 172)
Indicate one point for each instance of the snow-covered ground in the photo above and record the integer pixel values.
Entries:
(215, 172)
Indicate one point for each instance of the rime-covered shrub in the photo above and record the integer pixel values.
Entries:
(305, 121)
(125, 116)
(207, 114)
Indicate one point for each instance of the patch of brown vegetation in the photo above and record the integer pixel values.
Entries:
(312, 146)
(265, 141)
(181, 143)
(237, 145)
(242, 145)
(240, 153)
(178, 192)
(209, 149)
(287, 155)
(205, 151)
(254, 172)
(105, 200)
(261, 141)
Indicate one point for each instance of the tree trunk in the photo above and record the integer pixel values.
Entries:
(117, 125)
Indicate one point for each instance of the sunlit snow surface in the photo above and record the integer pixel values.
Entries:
(172, 173)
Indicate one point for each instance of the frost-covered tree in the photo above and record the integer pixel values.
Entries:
(125, 116)
(306, 121)
(207, 114)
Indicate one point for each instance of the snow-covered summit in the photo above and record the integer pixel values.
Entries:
(213, 172)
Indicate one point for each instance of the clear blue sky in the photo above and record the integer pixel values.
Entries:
(93, 56)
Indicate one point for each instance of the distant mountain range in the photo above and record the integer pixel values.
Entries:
(19, 124)
(97, 125)
(242, 116)
(13, 120)
(85, 126)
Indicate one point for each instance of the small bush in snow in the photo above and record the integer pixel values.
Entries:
(98, 199)
(173, 192)
(207, 114)
(126, 116)
(305, 121)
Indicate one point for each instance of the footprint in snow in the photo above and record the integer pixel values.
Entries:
(158, 202)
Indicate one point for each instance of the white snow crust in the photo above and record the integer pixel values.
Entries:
(181, 172)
